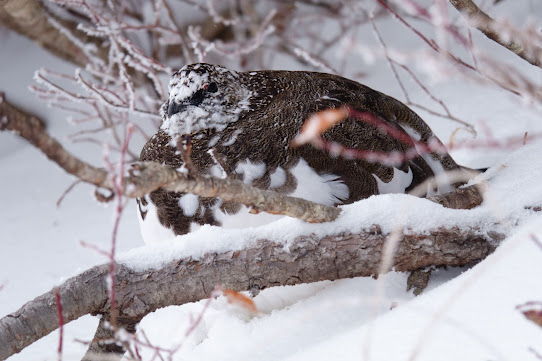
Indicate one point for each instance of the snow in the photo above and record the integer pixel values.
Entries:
(464, 314)
(190, 83)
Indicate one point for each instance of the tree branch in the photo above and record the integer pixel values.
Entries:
(102, 341)
(146, 177)
(489, 27)
(262, 265)
(30, 18)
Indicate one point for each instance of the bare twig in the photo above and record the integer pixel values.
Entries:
(393, 63)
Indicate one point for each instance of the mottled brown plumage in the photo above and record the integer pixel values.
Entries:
(251, 118)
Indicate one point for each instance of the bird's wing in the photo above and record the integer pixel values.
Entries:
(393, 164)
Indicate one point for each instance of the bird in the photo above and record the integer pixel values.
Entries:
(242, 124)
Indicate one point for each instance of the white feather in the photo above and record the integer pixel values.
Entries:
(250, 170)
(444, 183)
(151, 228)
(189, 203)
(326, 189)
(398, 184)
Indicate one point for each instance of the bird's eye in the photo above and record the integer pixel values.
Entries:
(212, 87)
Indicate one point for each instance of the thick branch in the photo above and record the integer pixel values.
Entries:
(147, 177)
(263, 265)
(462, 198)
(488, 26)
(33, 129)
(30, 18)
(101, 343)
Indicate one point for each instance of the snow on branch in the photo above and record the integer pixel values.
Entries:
(261, 265)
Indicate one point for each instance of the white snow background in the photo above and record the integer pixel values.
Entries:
(464, 314)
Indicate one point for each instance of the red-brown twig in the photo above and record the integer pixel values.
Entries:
(535, 353)
(319, 122)
(60, 323)
(117, 178)
(94, 248)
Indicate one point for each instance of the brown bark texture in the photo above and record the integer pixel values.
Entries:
(263, 265)
(31, 19)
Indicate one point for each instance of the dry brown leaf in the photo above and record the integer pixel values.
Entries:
(534, 315)
(240, 299)
(532, 311)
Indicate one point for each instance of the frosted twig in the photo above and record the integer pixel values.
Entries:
(117, 179)
(88, 49)
(217, 18)
(263, 32)
(536, 241)
(313, 60)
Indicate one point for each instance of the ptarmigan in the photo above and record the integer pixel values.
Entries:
(248, 120)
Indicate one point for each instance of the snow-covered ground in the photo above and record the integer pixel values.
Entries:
(462, 315)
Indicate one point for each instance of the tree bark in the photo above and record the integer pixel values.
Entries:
(263, 265)
(485, 23)
(30, 18)
(101, 342)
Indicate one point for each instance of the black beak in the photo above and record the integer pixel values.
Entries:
(175, 108)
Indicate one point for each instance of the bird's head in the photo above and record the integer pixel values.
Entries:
(203, 96)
